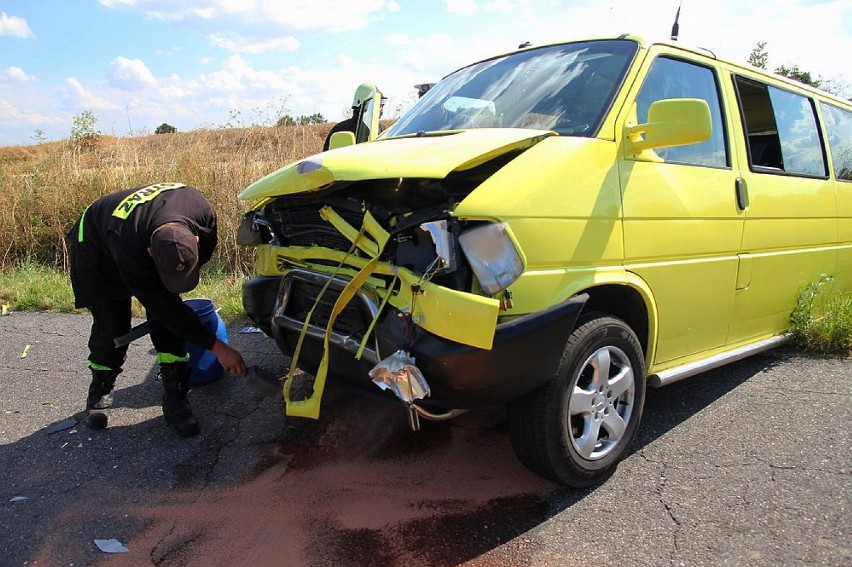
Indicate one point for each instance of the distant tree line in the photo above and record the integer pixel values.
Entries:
(315, 118)
(759, 58)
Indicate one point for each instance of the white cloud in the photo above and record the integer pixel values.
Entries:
(82, 98)
(396, 39)
(465, 7)
(16, 74)
(239, 44)
(331, 15)
(504, 5)
(11, 113)
(14, 26)
(130, 74)
(174, 87)
(174, 50)
(117, 3)
(238, 75)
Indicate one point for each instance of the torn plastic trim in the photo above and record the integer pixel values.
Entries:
(310, 407)
(399, 374)
(459, 316)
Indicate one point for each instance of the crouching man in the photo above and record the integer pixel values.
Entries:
(149, 243)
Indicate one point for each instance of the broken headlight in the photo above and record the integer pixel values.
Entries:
(492, 256)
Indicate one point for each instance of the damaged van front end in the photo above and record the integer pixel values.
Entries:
(358, 266)
(471, 255)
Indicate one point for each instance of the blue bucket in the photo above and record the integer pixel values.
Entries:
(205, 365)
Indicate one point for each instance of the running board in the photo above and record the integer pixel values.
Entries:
(672, 375)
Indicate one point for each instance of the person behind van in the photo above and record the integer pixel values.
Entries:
(348, 125)
(363, 94)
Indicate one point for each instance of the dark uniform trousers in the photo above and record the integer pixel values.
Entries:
(110, 320)
(109, 305)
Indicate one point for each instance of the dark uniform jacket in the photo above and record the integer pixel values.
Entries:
(348, 125)
(110, 260)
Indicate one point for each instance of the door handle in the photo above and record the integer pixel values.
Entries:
(742, 194)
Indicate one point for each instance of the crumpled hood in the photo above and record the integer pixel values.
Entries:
(431, 156)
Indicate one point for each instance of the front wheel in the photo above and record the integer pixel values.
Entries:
(575, 429)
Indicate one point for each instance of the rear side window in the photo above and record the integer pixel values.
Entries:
(782, 130)
(838, 124)
(673, 78)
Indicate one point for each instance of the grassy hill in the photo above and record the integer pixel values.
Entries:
(44, 188)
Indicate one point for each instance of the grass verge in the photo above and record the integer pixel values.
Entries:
(34, 287)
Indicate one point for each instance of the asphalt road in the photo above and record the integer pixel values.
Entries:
(745, 465)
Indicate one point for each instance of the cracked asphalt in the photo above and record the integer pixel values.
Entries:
(745, 465)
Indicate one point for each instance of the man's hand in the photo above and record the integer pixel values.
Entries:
(230, 358)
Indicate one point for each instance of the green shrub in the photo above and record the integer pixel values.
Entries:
(822, 321)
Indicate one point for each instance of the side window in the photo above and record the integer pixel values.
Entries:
(838, 124)
(782, 130)
(673, 78)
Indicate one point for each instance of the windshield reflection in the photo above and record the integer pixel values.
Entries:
(566, 88)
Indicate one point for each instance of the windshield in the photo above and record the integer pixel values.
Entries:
(566, 88)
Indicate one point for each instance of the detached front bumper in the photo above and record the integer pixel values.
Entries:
(525, 353)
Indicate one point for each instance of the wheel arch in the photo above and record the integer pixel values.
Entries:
(631, 302)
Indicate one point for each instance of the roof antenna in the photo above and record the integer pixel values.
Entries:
(676, 26)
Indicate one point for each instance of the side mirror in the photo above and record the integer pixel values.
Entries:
(341, 140)
(672, 122)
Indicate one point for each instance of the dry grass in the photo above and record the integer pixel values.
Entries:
(44, 188)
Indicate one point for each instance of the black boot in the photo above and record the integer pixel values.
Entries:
(99, 399)
(176, 407)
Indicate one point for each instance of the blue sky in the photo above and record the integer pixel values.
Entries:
(206, 63)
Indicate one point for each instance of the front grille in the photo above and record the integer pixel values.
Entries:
(301, 225)
(351, 321)
(298, 293)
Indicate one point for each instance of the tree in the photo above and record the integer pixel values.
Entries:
(165, 128)
(798, 75)
(287, 120)
(83, 133)
(83, 126)
(315, 118)
(759, 57)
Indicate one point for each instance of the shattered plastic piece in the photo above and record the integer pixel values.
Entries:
(399, 374)
(26, 351)
(110, 546)
(61, 425)
(246, 330)
(18, 499)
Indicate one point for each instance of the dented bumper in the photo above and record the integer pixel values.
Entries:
(523, 355)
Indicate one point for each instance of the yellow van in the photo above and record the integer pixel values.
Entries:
(554, 229)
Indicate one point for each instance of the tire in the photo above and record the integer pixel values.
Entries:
(576, 428)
